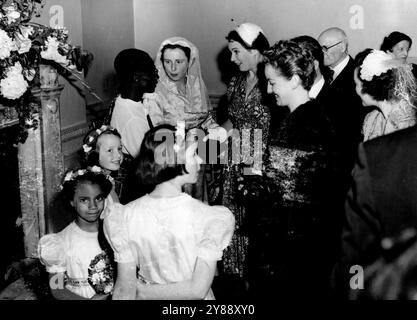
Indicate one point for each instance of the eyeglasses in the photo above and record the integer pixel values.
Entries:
(325, 49)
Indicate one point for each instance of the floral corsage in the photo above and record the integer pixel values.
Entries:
(101, 274)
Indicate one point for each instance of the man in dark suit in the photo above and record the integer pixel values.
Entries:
(382, 200)
(322, 79)
(345, 111)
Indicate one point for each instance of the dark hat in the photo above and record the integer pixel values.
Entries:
(130, 60)
(392, 39)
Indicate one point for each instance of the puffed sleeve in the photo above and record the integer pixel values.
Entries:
(51, 253)
(217, 227)
(115, 230)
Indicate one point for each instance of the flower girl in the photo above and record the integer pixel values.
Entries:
(103, 147)
(173, 239)
(78, 259)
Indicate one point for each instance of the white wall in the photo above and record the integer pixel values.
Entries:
(207, 22)
(107, 29)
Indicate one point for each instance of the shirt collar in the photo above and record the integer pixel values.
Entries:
(338, 69)
(315, 89)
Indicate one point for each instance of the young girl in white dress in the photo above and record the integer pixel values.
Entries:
(173, 239)
(78, 258)
(103, 147)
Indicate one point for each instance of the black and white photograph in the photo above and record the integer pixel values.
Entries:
(233, 151)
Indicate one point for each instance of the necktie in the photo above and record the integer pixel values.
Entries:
(331, 75)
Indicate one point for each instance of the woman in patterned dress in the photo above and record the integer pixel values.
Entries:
(246, 110)
(389, 85)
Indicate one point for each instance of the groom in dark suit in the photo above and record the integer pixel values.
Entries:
(382, 201)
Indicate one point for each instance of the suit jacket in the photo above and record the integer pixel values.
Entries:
(344, 109)
(382, 201)
(346, 112)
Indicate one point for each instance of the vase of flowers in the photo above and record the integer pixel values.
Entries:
(32, 55)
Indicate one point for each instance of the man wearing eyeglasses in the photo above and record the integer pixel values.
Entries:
(335, 48)
(345, 111)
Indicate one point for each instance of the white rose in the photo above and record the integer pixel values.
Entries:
(14, 85)
(11, 13)
(6, 45)
(51, 52)
(68, 176)
(100, 265)
(95, 278)
(13, 16)
(375, 64)
(108, 288)
(86, 148)
(96, 169)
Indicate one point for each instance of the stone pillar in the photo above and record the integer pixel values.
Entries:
(41, 168)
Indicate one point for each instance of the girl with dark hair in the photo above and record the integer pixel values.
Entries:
(288, 204)
(79, 258)
(390, 86)
(174, 239)
(247, 110)
(103, 147)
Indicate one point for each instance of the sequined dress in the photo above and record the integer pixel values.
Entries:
(244, 113)
(289, 212)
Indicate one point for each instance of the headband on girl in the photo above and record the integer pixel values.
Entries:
(74, 174)
(93, 136)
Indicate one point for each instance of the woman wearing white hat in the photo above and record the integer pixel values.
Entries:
(246, 110)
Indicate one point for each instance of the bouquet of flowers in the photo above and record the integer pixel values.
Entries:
(100, 274)
(24, 45)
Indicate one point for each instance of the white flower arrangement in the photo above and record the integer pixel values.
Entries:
(375, 64)
(51, 53)
(14, 84)
(101, 274)
(28, 45)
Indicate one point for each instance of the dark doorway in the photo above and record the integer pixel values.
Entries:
(11, 232)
